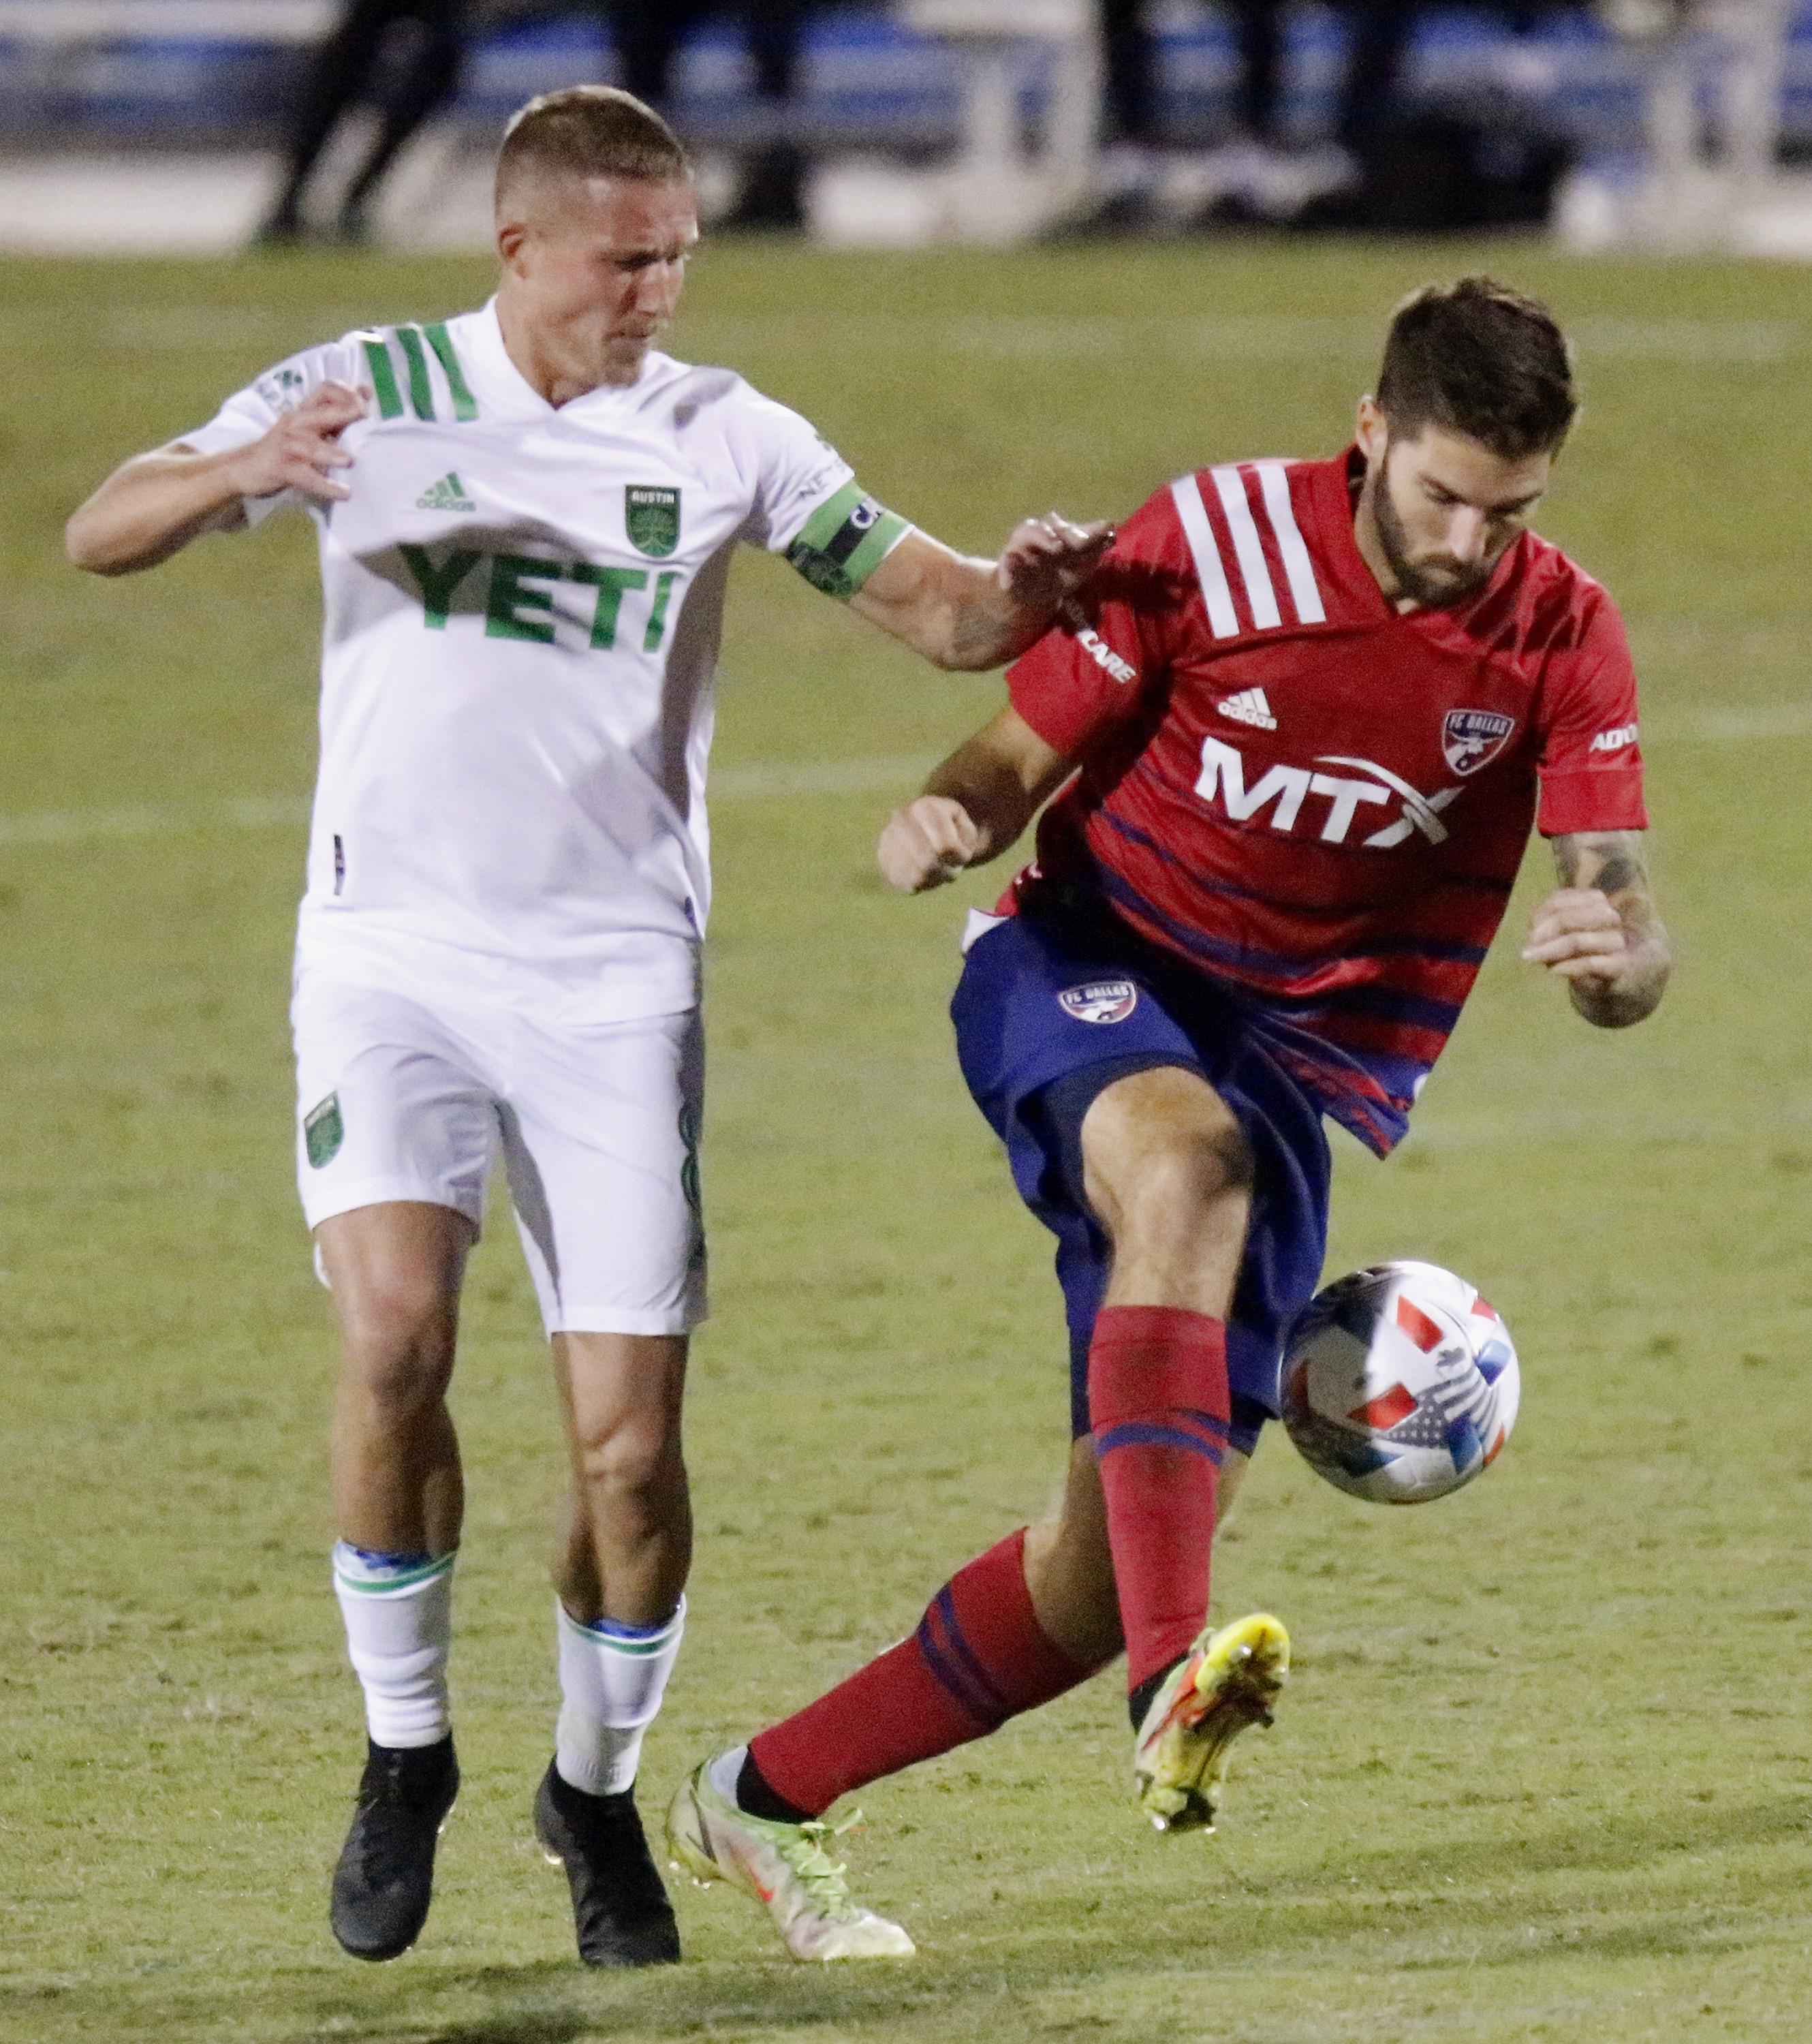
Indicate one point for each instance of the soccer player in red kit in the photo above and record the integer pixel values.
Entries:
(1303, 717)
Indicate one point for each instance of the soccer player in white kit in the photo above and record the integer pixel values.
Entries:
(526, 515)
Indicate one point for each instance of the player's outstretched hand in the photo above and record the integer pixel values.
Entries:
(926, 843)
(302, 450)
(1578, 934)
(1045, 558)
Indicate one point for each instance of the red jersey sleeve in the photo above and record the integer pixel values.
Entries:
(1589, 764)
(1096, 666)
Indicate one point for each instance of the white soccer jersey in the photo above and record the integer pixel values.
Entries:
(523, 611)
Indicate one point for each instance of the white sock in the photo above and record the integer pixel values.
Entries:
(611, 1685)
(398, 1610)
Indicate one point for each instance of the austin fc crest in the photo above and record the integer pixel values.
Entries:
(652, 516)
(1101, 1001)
(1471, 737)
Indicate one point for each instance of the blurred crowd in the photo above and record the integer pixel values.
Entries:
(1383, 162)
(1263, 173)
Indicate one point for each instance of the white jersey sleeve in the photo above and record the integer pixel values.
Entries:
(249, 414)
(809, 506)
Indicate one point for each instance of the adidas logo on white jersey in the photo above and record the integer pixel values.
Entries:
(1248, 707)
(448, 494)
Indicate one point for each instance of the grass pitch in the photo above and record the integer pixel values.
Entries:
(1542, 1769)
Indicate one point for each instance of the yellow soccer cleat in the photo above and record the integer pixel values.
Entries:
(784, 1867)
(1227, 1681)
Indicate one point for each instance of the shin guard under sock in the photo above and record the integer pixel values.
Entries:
(612, 1678)
(1158, 1412)
(978, 1658)
(398, 1610)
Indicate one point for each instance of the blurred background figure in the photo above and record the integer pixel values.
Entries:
(1697, 167)
(1267, 174)
(405, 58)
(404, 55)
(1263, 172)
(648, 40)
(1384, 157)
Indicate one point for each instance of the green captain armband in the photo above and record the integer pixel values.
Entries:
(844, 541)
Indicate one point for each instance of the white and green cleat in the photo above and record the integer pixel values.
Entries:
(1227, 1681)
(784, 1867)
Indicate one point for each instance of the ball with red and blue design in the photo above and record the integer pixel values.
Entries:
(1400, 1383)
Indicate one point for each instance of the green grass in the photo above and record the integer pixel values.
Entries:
(1543, 1770)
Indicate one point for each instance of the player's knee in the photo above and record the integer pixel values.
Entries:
(1187, 1186)
(1164, 1132)
(1217, 1164)
(633, 1462)
(402, 1382)
(397, 1336)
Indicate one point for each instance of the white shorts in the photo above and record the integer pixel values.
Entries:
(398, 1100)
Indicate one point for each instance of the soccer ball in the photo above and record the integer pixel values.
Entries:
(1400, 1383)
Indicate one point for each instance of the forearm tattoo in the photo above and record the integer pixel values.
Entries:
(1610, 861)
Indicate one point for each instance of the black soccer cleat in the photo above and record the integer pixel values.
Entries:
(621, 1910)
(385, 1880)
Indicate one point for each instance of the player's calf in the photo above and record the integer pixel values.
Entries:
(1160, 1411)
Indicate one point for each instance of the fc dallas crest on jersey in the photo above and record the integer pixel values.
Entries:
(1472, 737)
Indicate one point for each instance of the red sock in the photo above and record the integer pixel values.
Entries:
(1158, 1411)
(978, 1658)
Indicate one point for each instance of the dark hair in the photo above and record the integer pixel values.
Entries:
(590, 131)
(1481, 359)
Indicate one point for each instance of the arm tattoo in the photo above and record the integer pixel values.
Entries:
(977, 636)
(1610, 861)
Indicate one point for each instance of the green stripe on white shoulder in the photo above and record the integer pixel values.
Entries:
(383, 376)
(415, 345)
(420, 384)
(464, 404)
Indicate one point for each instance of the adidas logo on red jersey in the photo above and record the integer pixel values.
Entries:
(1248, 707)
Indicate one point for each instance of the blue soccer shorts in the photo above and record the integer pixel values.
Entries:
(1046, 1016)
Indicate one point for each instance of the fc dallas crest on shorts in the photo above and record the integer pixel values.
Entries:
(1101, 1001)
(1470, 737)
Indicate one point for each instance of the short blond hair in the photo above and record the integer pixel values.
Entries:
(589, 131)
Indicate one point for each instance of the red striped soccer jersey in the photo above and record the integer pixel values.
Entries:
(1314, 800)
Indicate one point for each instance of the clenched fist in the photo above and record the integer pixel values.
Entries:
(926, 843)
(1578, 934)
